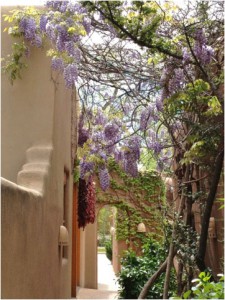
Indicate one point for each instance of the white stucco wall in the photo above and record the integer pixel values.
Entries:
(36, 116)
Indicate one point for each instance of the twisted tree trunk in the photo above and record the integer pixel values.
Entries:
(207, 213)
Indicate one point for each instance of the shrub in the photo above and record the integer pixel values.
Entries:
(108, 249)
(205, 289)
(136, 271)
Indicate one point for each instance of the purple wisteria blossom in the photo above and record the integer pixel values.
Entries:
(132, 155)
(177, 81)
(111, 149)
(100, 118)
(86, 167)
(202, 51)
(55, 4)
(130, 167)
(87, 25)
(111, 131)
(70, 75)
(77, 55)
(186, 56)
(118, 155)
(50, 31)
(159, 100)
(98, 137)
(37, 41)
(28, 27)
(153, 142)
(103, 155)
(69, 47)
(57, 63)
(83, 136)
(43, 22)
(147, 115)
(104, 178)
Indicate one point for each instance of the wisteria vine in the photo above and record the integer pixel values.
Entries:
(132, 99)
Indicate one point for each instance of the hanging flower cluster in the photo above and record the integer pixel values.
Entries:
(105, 140)
(202, 51)
(64, 24)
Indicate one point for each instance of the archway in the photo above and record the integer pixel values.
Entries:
(138, 199)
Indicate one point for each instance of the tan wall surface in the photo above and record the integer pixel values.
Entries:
(27, 108)
(88, 253)
(36, 147)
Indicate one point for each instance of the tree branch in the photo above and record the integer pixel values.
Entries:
(151, 280)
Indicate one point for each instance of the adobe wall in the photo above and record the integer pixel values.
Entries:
(36, 151)
(27, 107)
(88, 257)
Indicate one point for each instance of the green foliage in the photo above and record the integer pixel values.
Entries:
(76, 171)
(108, 249)
(134, 198)
(101, 250)
(186, 243)
(205, 289)
(137, 270)
(14, 63)
(204, 136)
(147, 160)
(139, 20)
(105, 215)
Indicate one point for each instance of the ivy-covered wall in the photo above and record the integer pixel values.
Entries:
(138, 199)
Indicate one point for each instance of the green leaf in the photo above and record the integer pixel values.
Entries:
(187, 294)
(71, 30)
(214, 106)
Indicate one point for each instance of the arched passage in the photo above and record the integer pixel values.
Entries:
(139, 199)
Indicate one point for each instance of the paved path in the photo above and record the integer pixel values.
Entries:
(106, 276)
(107, 286)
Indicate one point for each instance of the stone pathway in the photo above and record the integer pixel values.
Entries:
(107, 286)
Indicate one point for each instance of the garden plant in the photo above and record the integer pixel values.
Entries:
(149, 75)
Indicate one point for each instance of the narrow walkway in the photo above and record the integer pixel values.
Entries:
(106, 276)
(107, 286)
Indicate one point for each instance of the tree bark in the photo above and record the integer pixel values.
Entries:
(168, 268)
(207, 213)
(172, 247)
(151, 280)
(179, 279)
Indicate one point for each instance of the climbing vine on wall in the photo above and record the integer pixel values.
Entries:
(138, 199)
